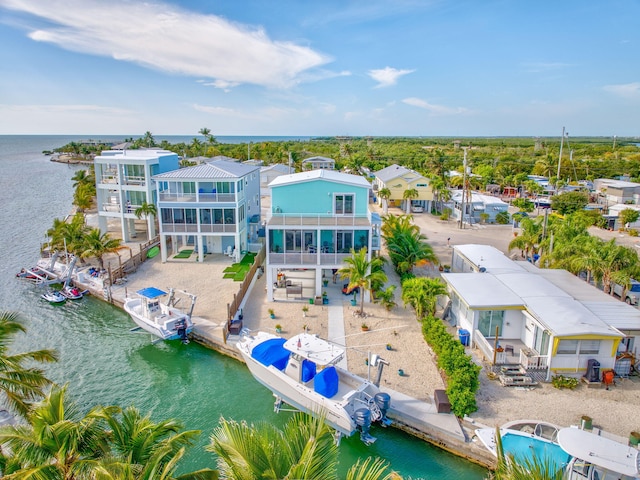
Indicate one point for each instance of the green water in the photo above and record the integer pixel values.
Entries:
(104, 363)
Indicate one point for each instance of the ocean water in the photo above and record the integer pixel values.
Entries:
(104, 363)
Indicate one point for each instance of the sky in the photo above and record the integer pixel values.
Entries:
(320, 68)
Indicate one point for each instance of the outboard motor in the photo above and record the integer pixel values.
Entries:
(182, 332)
(383, 401)
(362, 417)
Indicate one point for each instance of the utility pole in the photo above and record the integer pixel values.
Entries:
(464, 187)
(559, 162)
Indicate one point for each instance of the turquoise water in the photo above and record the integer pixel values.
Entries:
(104, 363)
(523, 447)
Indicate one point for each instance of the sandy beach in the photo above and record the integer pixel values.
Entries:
(614, 410)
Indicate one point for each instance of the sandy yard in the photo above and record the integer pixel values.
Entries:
(616, 410)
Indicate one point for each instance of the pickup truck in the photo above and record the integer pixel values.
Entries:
(631, 295)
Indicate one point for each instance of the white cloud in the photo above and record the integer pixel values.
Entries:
(166, 38)
(387, 76)
(435, 109)
(626, 90)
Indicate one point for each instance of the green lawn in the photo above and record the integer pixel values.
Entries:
(237, 271)
(183, 254)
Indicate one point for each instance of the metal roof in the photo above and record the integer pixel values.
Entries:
(394, 171)
(492, 259)
(482, 290)
(321, 174)
(217, 169)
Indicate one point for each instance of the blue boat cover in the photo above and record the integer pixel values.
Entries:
(271, 352)
(151, 292)
(308, 370)
(326, 382)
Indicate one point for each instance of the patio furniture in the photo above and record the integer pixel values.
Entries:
(509, 348)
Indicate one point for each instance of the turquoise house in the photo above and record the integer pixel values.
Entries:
(316, 218)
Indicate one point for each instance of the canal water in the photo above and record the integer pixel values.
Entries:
(104, 363)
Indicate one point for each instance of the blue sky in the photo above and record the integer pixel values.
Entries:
(326, 67)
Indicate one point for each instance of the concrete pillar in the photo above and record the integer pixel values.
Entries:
(269, 273)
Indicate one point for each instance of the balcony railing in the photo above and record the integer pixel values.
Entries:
(530, 360)
(200, 197)
(134, 180)
(193, 228)
(304, 258)
(291, 219)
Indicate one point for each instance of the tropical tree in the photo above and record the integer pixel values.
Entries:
(422, 294)
(569, 202)
(359, 272)
(529, 239)
(83, 177)
(406, 245)
(408, 195)
(83, 196)
(144, 448)
(303, 449)
(98, 244)
(21, 382)
(148, 140)
(68, 234)
(628, 216)
(385, 194)
(148, 211)
(57, 442)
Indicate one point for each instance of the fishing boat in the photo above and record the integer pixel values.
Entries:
(525, 439)
(163, 320)
(303, 373)
(596, 457)
(54, 296)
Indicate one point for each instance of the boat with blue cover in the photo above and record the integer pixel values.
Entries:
(303, 373)
(163, 320)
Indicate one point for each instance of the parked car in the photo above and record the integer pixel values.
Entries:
(417, 208)
(631, 295)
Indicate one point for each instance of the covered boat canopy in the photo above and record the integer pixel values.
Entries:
(601, 451)
(313, 348)
(151, 293)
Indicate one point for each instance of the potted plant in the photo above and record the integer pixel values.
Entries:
(325, 282)
(305, 328)
(278, 328)
(447, 268)
(305, 309)
(388, 346)
(364, 327)
(272, 314)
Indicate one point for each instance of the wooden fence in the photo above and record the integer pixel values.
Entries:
(234, 306)
(132, 264)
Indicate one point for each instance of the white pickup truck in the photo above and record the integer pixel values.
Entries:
(631, 295)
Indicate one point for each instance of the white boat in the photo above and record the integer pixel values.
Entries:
(303, 373)
(598, 458)
(524, 440)
(163, 320)
(54, 296)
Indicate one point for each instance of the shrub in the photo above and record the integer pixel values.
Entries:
(560, 382)
(633, 232)
(502, 218)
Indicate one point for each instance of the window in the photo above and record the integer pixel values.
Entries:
(344, 241)
(488, 321)
(567, 347)
(583, 347)
(590, 347)
(344, 204)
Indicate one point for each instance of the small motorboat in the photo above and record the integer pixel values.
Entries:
(73, 293)
(54, 296)
(163, 320)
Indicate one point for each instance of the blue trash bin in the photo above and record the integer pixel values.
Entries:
(464, 336)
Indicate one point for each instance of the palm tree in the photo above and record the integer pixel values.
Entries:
(57, 443)
(422, 294)
(148, 211)
(69, 234)
(303, 449)
(360, 273)
(143, 446)
(385, 194)
(20, 384)
(148, 139)
(97, 244)
(408, 195)
(405, 244)
(529, 240)
(83, 196)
